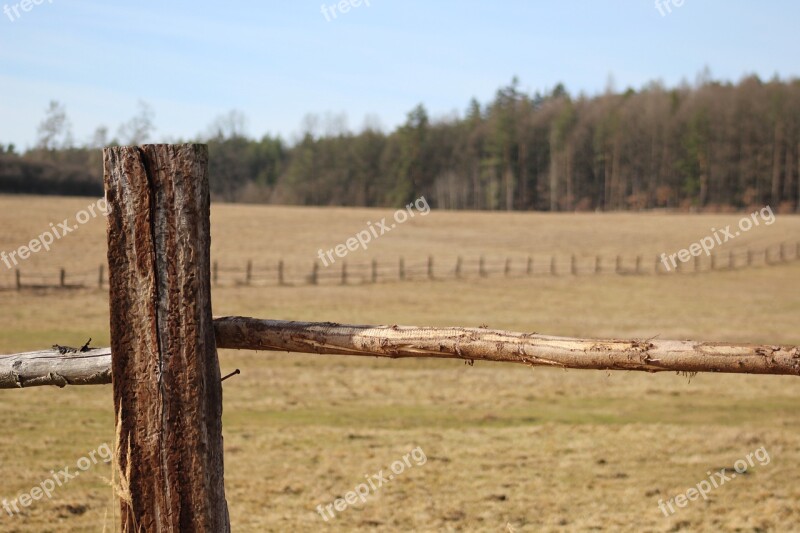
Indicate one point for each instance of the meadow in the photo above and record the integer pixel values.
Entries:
(507, 447)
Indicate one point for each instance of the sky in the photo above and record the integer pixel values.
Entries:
(277, 61)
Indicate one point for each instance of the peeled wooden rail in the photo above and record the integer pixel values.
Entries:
(49, 367)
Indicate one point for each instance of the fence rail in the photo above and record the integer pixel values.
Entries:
(50, 367)
(283, 273)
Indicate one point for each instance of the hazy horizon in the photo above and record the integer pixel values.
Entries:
(375, 62)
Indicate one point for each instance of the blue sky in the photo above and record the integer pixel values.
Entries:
(278, 60)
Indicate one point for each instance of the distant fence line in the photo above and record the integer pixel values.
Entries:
(429, 268)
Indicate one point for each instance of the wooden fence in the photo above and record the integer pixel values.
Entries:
(163, 363)
(285, 274)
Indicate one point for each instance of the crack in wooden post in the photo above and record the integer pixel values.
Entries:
(165, 370)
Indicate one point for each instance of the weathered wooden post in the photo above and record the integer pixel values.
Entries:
(215, 274)
(482, 267)
(166, 377)
(374, 271)
(638, 264)
(248, 273)
(280, 272)
(314, 274)
(18, 278)
(507, 269)
(344, 273)
(458, 268)
(618, 265)
(597, 264)
(62, 278)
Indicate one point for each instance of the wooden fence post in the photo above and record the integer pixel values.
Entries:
(62, 278)
(344, 273)
(249, 273)
(482, 267)
(18, 277)
(597, 264)
(216, 273)
(458, 267)
(314, 278)
(638, 264)
(166, 377)
(618, 265)
(280, 272)
(713, 259)
(507, 270)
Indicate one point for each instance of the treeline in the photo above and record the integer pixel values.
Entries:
(711, 146)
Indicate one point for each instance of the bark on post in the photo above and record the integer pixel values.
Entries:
(167, 389)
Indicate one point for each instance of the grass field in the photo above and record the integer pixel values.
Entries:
(508, 448)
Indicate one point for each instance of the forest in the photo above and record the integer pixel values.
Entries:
(710, 146)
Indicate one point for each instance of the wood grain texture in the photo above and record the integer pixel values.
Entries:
(49, 367)
(476, 344)
(506, 346)
(166, 378)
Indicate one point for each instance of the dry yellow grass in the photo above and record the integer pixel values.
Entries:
(508, 448)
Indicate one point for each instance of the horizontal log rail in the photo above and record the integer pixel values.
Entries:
(50, 367)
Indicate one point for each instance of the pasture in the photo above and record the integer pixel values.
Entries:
(508, 448)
